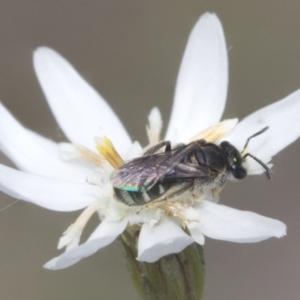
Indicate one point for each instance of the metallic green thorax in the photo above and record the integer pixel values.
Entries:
(176, 276)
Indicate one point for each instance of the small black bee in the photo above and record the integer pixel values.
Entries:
(193, 168)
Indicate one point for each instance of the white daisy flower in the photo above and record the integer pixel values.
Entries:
(73, 176)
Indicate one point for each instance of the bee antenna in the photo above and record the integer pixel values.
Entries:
(268, 170)
(254, 135)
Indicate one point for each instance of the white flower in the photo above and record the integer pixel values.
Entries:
(67, 177)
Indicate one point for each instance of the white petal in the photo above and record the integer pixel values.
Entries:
(225, 223)
(162, 239)
(134, 151)
(46, 144)
(155, 126)
(196, 232)
(46, 192)
(104, 234)
(283, 120)
(202, 81)
(79, 110)
(33, 153)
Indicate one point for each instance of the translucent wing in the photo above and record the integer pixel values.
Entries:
(142, 173)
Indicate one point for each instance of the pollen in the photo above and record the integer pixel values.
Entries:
(215, 132)
(180, 210)
(106, 148)
(89, 155)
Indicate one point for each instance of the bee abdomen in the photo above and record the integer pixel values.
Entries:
(132, 198)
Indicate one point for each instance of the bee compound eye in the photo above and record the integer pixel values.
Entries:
(238, 171)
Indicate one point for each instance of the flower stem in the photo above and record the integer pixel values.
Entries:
(177, 276)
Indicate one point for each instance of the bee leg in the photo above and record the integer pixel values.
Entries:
(187, 150)
(176, 207)
(186, 186)
(192, 170)
(183, 188)
(158, 146)
(170, 195)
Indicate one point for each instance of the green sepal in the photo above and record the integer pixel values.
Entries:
(177, 276)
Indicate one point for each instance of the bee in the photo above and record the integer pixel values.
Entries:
(193, 168)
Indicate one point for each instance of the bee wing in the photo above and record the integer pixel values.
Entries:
(142, 173)
(185, 171)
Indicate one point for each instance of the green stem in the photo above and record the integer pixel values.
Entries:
(177, 276)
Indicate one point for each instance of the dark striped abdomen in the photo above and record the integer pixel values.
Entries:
(131, 198)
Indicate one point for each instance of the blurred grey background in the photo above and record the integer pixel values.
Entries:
(130, 51)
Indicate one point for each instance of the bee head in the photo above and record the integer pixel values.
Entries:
(234, 161)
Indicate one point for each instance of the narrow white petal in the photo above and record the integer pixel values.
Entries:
(162, 239)
(33, 153)
(46, 192)
(196, 232)
(104, 235)
(202, 81)
(225, 223)
(283, 120)
(79, 110)
(46, 144)
(155, 126)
